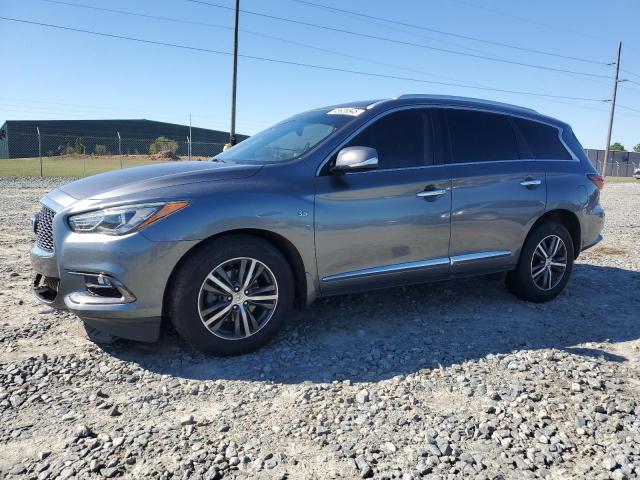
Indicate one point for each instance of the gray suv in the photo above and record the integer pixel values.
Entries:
(335, 200)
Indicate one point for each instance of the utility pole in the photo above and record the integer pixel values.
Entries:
(40, 149)
(190, 137)
(613, 109)
(120, 148)
(232, 131)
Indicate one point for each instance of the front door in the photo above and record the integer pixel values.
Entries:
(390, 225)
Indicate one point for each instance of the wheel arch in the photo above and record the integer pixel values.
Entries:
(282, 244)
(569, 220)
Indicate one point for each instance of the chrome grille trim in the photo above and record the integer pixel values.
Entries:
(44, 229)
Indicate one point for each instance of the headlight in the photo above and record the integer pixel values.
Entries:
(123, 220)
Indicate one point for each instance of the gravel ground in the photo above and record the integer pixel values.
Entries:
(449, 380)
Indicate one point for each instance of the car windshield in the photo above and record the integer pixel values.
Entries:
(289, 139)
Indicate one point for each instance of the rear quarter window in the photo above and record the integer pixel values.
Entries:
(543, 140)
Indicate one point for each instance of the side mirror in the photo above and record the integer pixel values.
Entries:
(353, 159)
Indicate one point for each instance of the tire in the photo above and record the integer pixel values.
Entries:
(195, 298)
(530, 280)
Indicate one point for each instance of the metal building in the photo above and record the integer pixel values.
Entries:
(20, 139)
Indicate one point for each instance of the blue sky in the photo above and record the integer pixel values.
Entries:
(51, 74)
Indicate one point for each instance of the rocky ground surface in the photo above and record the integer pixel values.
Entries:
(449, 380)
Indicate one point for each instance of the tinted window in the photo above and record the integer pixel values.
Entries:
(543, 140)
(481, 137)
(402, 139)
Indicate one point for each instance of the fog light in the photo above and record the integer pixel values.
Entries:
(102, 285)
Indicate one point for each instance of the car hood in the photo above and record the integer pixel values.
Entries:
(138, 179)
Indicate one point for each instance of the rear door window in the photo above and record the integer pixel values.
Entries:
(543, 140)
(481, 137)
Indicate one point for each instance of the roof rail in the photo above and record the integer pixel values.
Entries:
(464, 99)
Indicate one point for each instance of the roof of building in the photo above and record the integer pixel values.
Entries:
(129, 127)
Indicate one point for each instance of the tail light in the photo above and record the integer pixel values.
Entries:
(598, 180)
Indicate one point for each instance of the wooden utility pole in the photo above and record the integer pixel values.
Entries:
(232, 131)
(613, 110)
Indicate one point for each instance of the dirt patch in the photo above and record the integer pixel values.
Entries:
(165, 155)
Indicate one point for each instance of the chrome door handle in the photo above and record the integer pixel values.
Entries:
(431, 193)
(530, 183)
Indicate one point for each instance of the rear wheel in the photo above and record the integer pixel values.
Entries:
(232, 295)
(545, 264)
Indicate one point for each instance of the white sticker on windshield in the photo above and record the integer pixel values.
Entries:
(352, 111)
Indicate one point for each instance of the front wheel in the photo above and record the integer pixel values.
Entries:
(232, 295)
(545, 264)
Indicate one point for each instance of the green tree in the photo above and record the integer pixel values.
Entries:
(637, 148)
(617, 147)
(163, 144)
(79, 147)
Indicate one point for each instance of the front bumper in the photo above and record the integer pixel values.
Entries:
(141, 265)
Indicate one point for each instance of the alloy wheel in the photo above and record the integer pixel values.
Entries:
(238, 298)
(549, 262)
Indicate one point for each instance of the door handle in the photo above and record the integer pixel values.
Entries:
(428, 194)
(531, 183)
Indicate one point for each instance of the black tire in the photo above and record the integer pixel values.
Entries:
(183, 300)
(520, 281)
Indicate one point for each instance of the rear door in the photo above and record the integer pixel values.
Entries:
(498, 191)
(390, 225)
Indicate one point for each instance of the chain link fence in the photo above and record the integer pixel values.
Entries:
(619, 164)
(72, 155)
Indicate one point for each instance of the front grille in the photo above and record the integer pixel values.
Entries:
(44, 229)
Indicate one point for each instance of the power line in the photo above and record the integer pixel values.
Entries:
(298, 64)
(401, 42)
(556, 28)
(135, 14)
(258, 34)
(452, 34)
(630, 73)
(629, 108)
(271, 37)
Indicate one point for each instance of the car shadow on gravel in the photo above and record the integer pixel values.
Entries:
(377, 335)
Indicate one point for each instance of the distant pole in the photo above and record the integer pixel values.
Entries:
(190, 137)
(613, 109)
(189, 146)
(232, 131)
(120, 148)
(40, 150)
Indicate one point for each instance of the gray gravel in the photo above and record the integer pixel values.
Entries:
(449, 380)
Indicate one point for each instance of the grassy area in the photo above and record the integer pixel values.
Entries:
(620, 180)
(70, 166)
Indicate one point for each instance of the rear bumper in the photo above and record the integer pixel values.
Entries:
(141, 265)
(594, 243)
(591, 225)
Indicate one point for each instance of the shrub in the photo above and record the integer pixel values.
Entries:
(100, 150)
(66, 149)
(163, 144)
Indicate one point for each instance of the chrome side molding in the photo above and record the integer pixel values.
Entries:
(419, 265)
(471, 257)
(395, 268)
